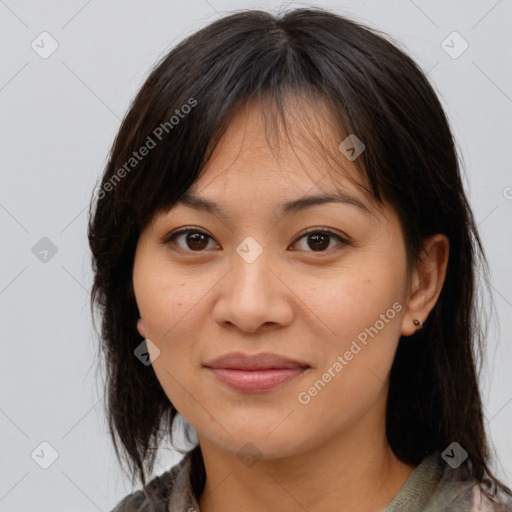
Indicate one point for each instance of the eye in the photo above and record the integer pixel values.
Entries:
(195, 239)
(319, 239)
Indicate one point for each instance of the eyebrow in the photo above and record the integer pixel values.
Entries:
(199, 203)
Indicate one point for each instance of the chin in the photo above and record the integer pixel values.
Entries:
(260, 443)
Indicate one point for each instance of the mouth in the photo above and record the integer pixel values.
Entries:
(255, 373)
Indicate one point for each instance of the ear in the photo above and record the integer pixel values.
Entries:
(426, 282)
(140, 328)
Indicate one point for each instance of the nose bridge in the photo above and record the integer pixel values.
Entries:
(252, 295)
(250, 281)
(250, 263)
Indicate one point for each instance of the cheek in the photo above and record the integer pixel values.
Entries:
(171, 305)
(362, 308)
(166, 305)
(167, 301)
(364, 313)
(347, 303)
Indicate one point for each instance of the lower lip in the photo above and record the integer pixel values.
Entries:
(253, 381)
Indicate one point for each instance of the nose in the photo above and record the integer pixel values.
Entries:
(253, 295)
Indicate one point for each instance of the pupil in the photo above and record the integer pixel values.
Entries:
(194, 239)
(318, 236)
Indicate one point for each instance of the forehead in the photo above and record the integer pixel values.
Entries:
(297, 151)
(264, 168)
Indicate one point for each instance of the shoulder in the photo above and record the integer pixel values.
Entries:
(457, 492)
(480, 502)
(434, 486)
(473, 499)
(159, 491)
(131, 503)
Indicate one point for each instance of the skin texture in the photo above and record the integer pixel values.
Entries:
(296, 300)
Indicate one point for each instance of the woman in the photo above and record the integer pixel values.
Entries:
(284, 256)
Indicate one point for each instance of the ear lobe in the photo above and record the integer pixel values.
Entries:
(427, 282)
(140, 328)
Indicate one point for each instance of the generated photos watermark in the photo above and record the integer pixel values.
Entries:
(137, 156)
(304, 397)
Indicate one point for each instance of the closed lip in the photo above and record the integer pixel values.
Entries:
(263, 361)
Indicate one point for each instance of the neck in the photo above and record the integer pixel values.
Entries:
(354, 471)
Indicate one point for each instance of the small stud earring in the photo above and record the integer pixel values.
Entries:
(419, 324)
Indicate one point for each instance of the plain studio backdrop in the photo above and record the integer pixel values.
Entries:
(69, 70)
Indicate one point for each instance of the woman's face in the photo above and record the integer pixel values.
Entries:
(246, 280)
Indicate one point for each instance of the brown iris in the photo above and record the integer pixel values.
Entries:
(197, 240)
(321, 240)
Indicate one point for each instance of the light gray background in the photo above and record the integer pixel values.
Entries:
(59, 116)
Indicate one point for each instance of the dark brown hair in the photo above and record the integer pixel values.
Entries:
(376, 92)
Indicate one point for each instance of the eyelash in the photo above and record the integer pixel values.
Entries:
(171, 238)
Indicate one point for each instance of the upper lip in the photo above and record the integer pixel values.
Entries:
(240, 361)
